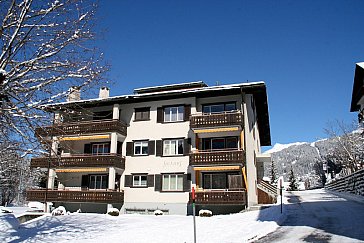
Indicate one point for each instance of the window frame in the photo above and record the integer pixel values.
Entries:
(142, 143)
(140, 185)
(219, 104)
(175, 189)
(98, 148)
(179, 141)
(178, 113)
(142, 110)
(96, 176)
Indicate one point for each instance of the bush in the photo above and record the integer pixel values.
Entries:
(113, 212)
(158, 212)
(205, 213)
(59, 211)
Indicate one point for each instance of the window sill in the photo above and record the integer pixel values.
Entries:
(166, 122)
(139, 187)
(142, 120)
(171, 191)
(177, 155)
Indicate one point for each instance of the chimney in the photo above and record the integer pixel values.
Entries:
(74, 94)
(104, 93)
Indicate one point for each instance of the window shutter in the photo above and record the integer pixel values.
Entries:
(186, 147)
(187, 112)
(151, 147)
(189, 176)
(84, 181)
(119, 148)
(159, 148)
(158, 183)
(87, 148)
(129, 149)
(150, 180)
(160, 115)
(186, 183)
(128, 180)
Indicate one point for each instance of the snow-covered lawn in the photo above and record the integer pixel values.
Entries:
(82, 227)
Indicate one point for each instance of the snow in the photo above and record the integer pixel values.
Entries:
(279, 147)
(3, 72)
(184, 91)
(360, 64)
(87, 227)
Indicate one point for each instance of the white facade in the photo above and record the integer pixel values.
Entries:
(151, 179)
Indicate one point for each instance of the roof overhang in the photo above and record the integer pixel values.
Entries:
(358, 87)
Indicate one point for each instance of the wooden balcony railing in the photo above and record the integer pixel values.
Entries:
(85, 127)
(109, 160)
(75, 196)
(217, 157)
(216, 120)
(220, 197)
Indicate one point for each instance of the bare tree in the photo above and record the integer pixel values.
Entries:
(46, 47)
(348, 149)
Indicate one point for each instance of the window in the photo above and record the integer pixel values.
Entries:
(98, 182)
(100, 148)
(173, 147)
(172, 182)
(142, 114)
(219, 108)
(219, 143)
(140, 180)
(141, 148)
(173, 114)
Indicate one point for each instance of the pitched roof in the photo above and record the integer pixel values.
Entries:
(358, 86)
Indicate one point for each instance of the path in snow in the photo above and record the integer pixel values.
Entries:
(319, 216)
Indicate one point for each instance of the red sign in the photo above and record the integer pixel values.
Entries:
(193, 193)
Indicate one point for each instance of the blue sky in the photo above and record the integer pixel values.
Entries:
(305, 51)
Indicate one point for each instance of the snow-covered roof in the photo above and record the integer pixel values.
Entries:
(358, 87)
(167, 87)
(360, 64)
(161, 93)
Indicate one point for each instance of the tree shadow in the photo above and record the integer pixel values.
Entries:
(331, 214)
(44, 226)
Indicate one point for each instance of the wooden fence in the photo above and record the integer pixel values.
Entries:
(353, 183)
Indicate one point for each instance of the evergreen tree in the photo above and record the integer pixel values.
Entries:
(293, 185)
(273, 173)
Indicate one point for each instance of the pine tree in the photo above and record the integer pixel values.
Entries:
(273, 173)
(293, 186)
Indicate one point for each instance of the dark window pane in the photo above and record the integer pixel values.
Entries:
(206, 109)
(219, 181)
(230, 107)
(207, 181)
(218, 143)
(145, 150)
(206, 143)
(231, 142)
(217, 108)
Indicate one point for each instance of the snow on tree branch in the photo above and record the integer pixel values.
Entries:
(46, 47)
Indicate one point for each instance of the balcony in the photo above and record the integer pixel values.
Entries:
(237, 197)
(75, 196)
(216, 120)
(220, 157)
(85, 127)
(109, 160)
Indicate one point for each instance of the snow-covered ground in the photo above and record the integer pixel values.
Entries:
(320, 216)
(241, 227)
(306, 215)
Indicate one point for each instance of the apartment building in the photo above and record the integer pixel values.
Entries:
(357, 98)
(144, 151)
